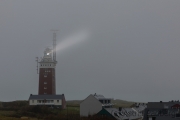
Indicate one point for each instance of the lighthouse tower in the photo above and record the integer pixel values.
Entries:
(47, 81)
(47, 84)
(47, 77)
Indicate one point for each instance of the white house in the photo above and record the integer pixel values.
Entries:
(93, 104)
(48, 100)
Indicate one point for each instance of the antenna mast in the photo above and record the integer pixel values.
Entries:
(37, 65)
(54, 45)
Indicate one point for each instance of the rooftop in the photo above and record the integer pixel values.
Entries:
(45, 97)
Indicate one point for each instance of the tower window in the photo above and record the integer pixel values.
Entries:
(45, 75)
(45, 87)
(45, 82)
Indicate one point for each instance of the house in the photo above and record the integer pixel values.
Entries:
(134, 113)
(162, 111)
(57, 101)
(93, 104)
(99, 105)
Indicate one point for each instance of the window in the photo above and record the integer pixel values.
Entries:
(45, 93)
(45, 75)
(32, 101)
(45, 87)
(57, 100)
(45, 82)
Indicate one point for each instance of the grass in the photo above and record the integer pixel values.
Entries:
(13, 118)
(6, 113)
(17, 109)
(68, 110)
(122, 103)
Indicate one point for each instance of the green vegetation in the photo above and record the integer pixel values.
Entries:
(73, 102)
(122, 103)
(21, 110)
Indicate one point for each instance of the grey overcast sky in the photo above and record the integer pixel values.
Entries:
(129, 49)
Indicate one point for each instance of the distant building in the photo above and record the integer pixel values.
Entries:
(48, 100)
(162, 111)
(93, 104)
(99, 105)
(134, 113)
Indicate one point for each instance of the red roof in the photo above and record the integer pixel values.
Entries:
(175, 106)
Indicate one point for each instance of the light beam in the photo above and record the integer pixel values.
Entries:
(72, 40)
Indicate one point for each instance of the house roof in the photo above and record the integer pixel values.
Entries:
(125, 113)
(42, 97)
(100, 97)
(162, 104)
(140, 107)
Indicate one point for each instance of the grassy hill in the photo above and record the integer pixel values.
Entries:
(116, 102)
(73, 102)
(122, 103)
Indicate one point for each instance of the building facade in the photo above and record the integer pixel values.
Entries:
(93, 104)
(162, 111)
(48, 100)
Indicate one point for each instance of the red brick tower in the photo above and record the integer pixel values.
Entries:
(47, 83)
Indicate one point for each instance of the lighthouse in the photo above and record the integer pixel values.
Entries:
(47, 80)
(47, 84)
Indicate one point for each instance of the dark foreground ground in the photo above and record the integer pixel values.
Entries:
(17, 110)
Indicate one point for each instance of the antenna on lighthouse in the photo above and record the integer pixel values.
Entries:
(37, 65)
(54, 45)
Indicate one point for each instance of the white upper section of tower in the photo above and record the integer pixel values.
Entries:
(47, 60)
